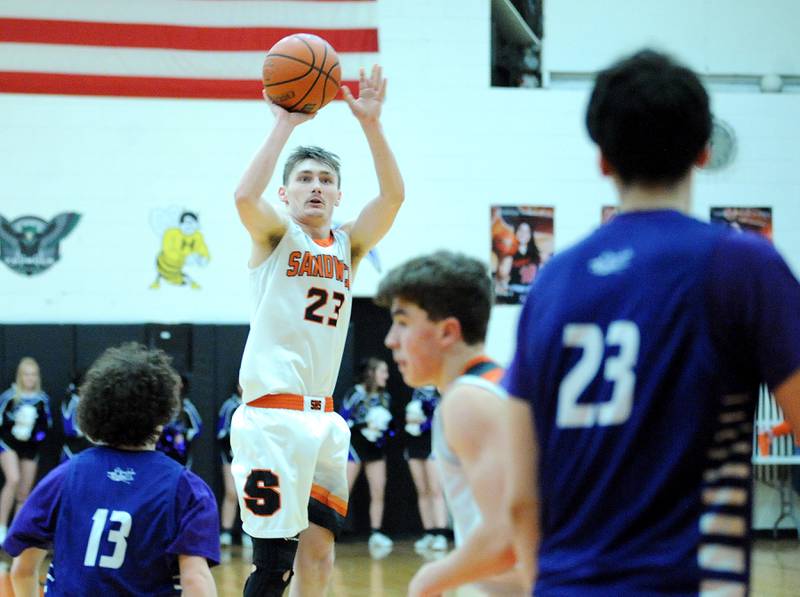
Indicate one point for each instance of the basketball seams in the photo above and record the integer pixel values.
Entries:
(329, 78)
(305, 74)
(319, 71)
(287, 57)
(326, 75)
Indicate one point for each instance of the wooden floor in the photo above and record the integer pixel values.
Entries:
(776, 571)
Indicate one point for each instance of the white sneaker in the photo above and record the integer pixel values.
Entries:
(439, 543)
(378, 552)
(247, 541)
(424, 543)
(378, 539)
(225, 539)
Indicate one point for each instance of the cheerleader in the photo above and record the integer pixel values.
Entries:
(26, 420)
(366, 410)
(74, 439)
(432, 508)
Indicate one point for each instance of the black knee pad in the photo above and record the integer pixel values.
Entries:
(266, 583)
(273, 559)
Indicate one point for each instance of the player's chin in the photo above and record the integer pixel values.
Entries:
(411, 378)
(318, 212)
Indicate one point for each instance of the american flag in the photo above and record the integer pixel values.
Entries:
(169, 48)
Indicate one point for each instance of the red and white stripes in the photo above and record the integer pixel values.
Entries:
(169, 48)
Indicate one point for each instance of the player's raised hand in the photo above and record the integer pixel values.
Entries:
(371, 95)
(279, 112)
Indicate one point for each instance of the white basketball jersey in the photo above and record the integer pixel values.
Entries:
(464, 509)
(301, 299)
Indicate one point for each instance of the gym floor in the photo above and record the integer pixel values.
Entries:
(776, 571)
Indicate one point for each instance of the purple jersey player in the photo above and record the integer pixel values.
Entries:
(122, 518)
(640, 353)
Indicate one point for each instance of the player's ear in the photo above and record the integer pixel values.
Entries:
(605, 166)
(450, 331)
(338, 199)
(703, 157)
(282, 194)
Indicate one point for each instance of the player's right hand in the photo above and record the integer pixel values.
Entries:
(294, 118)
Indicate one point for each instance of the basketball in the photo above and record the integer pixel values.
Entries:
(302, 73)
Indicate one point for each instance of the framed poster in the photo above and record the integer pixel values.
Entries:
(608, 212)
(522, 241)
(746, 219)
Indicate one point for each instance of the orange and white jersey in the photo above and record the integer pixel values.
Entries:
(485, 374)
(301, 300)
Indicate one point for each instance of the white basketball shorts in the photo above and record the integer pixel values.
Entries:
(289, 467)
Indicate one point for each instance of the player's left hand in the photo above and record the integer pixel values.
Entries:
(371, 95)
(420, 585)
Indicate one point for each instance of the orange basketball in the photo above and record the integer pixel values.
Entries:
(302, 73)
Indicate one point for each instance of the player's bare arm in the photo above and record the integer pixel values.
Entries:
(378, 215)
(473, 421)
(522, 498)
(196, 579)
(25, 572)
(265, 224)
(788, 396)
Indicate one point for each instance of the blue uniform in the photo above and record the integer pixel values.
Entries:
(177, 436)
(224, 426)
(355, 409)
(429, 397)
(419, 446)
(641, 350)
(74, 439)
(24, 439)
(117, 521)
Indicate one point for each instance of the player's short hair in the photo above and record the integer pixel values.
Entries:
(444, 284)
(129, 391)
(312, 152)
(650, 116)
